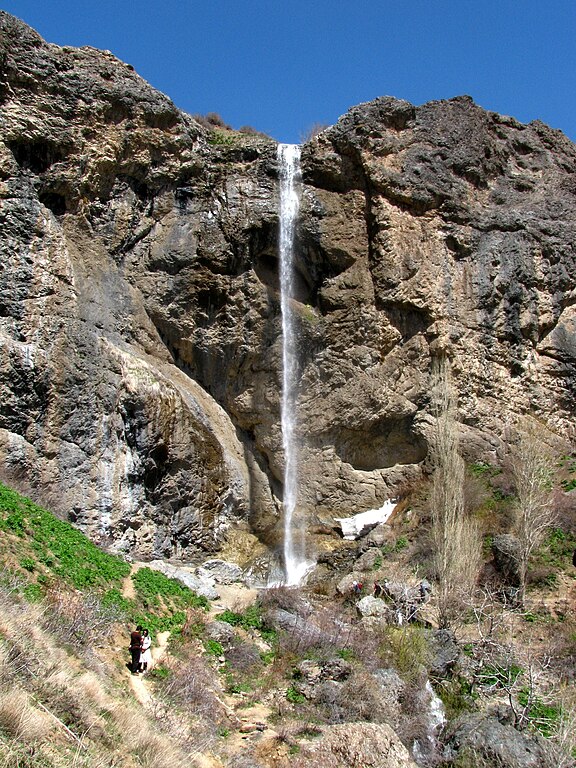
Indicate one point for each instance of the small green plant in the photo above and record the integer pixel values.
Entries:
(160, 672)
(481, 469)
(294, 696)
(32, 593)
(457, 695)
(542, 716)
(222, 138)
(236, 686)
(28, 563)
(495, 676)
(213, 647)
(407, 650)
(250, 619)
(267, 656)
(401, 544)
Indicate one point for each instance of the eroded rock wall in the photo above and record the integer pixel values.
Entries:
(140, 317)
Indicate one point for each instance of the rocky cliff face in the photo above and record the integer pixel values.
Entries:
(140, 316)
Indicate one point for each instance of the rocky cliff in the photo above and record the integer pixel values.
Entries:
(140, 316)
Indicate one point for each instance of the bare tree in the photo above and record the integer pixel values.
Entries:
(455, 535)
(534, 512)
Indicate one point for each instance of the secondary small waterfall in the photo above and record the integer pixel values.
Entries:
(295, 564)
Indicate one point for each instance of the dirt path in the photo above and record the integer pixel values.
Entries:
(138, 683)
(128, 585)
(251, 720)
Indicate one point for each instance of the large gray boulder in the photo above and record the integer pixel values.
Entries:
(506, 551)
(221, 571)
(203, 586)
(496, 745)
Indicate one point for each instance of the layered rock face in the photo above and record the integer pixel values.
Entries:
(140, 315)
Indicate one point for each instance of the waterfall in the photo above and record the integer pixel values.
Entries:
(295, 564)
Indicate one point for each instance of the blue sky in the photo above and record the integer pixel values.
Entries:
(284, 66)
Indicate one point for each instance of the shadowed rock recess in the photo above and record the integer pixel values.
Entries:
(140, 315)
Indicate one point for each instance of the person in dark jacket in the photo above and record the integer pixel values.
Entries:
(135, 649)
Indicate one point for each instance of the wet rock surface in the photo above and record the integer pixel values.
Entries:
(139, 309)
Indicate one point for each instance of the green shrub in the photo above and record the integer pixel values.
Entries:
(543, 717)
(457, 695)
(294, 696)
(160, 672)
(251, 619)
(213, 647)
(153, 586)
(407, 650)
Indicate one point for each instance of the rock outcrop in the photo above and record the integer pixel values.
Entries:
(139, 308)
(356, 745)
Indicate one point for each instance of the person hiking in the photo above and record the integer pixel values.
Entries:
(135, 649)
(145, 654)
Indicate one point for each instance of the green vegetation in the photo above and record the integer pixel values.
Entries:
(294, 696)
(155, 591)
(543, 717)
(553, 557)
(213, 647)
(481, 469)
(457, 695)
(399, 545)
(222, 138)
(406, 649)
(251, 619)
(48, 553)
(59, 548)
(568, 465)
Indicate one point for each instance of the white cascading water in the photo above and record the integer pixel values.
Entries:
(295, 563)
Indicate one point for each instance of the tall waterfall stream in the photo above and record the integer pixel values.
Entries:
(295, 565)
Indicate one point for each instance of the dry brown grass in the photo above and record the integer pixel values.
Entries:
(20, 719)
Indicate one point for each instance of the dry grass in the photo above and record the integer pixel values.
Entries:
(55, 712)
(20, 719)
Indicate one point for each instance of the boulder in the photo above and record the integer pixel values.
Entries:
(220, 631)
(379, 536)
(506, 553)
(203, 586)
(359, 525)
(355, 745)
(369, 560)
(372, 606)
(497, 745)
(444, 652)
(221, 571)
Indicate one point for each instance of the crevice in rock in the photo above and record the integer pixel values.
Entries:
(408, 319)
(36, 155)
(380, 445)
